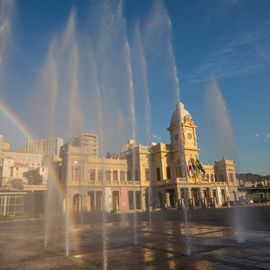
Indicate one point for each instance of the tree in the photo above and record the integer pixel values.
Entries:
(17, 183)
(33, 177)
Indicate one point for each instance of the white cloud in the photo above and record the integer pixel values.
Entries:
(268, 136)
(236, 54)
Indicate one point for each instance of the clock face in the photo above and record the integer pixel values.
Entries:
(189, 136)
(176, 137)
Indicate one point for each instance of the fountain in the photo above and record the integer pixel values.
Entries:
(223, 139)
(176, 85)
(91, 72)
(6, 8)
(108, 85)
(218, 119)
(56, 81)
(131, 103)
(144, 77)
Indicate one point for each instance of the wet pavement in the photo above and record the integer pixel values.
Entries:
(163, 245)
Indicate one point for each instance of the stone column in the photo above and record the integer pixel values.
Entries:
(5, 205)
(190, 198)
(202, 198)
(143, 199)
(185, 197)
(214, 200)
(181, 203)
(167, 199)
(210, 197)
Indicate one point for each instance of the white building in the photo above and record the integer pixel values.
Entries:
(14, 164)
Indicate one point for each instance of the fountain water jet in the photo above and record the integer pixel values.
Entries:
(111, 33)
(176, 81)
(133, 131)
(6, 8)
(223, 140)
(158, 38)
(64, 81)
(99, 95)
(174, 68)
(49, 81)
(144, 74)
(218, 118)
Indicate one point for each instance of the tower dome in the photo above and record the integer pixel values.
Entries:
(183, 112)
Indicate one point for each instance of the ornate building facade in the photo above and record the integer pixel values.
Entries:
(178, 176)
(93, 182)
(157, 176)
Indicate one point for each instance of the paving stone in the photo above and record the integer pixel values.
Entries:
(264, 265)
(259, 258)
(212, 248)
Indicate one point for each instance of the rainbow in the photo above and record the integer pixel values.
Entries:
(15, 120)
(25, 131)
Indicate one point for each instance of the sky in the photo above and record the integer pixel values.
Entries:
(221, 50)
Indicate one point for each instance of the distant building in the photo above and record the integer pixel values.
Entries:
(4, 146)
(88, 143)
(48, 146)
(255, 191)
(13, 165)
(17, 197)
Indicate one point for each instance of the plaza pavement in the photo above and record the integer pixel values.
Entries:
(211, 235)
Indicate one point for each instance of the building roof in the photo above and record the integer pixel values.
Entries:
(177, 114)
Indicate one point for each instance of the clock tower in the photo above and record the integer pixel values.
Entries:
(183, 138)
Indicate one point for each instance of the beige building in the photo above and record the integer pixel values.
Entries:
(177, 176)
(157, 176)
(172, 175)
(92, 181)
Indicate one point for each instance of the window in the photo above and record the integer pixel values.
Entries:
(115, 175)
(131, 200)
(77, 173)
(168, 171)
(138, 200)
(122, 176)
(128, 175)
(12, 204)
(158, 174)
(92, 175)
(136, 175)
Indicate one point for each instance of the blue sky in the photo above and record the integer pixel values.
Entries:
(228, 38)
